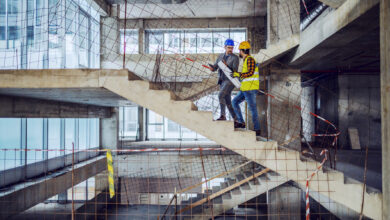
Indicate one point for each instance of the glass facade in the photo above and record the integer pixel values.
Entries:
(128, 122)
(131, 37)
(40, 34)
(191, 40)
(44, 138)
(161, 128)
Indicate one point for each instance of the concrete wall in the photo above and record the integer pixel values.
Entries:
(351, 101)
(282, 19)
(284, 202)
(284, 120)
(359, 107)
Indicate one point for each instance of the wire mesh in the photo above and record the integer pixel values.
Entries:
(175, 57)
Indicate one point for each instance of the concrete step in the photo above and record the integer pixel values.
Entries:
(224, 185)
(227, 195)
(218, 200)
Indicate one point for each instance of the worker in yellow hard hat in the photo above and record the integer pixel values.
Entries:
(249, 78)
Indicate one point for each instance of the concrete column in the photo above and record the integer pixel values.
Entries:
(109, 131)
(385, 103)
(141, 31)
(141, 124)
(284, 202)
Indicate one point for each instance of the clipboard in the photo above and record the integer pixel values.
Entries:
(228, 73)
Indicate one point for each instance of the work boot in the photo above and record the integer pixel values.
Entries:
(239, 125)
(258, 133)
(222, 118)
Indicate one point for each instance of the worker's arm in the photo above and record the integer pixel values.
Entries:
(215, 66)
(251, 69)
(236, 62)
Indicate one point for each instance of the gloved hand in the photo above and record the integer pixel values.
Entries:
(236, 74)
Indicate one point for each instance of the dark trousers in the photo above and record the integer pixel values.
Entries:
(225, 98)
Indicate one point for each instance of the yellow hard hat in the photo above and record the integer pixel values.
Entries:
(244, 45)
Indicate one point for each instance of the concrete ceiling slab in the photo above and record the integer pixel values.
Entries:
(195, 9)
(353, 46)
(90, 96)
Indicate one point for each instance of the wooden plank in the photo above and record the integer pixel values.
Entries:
(214, 177)
(354, 138)
(229, 188)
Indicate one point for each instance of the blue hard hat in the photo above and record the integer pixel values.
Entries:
(229, 42)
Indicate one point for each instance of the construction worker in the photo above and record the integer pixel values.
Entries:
(249, 78)
(226, 86)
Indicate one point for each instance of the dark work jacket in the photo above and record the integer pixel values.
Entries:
(232, 61)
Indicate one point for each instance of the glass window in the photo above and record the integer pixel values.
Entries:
(95, 44)
(155, 41)
(238, 36)
(34, 139)
(13, 6)
(2, 7)
(70, 124)
(10, 138)
(94, 132)
(165, 129)
(219, 38)
(187, 133)
(55, 39)
(131, 41)
(83, 134)
(172, 130)
(71, 51)
(204, 42)
(190, 42)
(172, 42)
(155, 126)
(54, 137)
(83, 40)
(40, 5)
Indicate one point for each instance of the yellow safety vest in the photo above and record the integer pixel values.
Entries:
(252, 82)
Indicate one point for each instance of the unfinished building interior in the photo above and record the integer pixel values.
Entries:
(111, 109)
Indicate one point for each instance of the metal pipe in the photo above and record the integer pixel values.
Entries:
(312, 16)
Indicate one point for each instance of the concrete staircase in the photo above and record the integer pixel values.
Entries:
(283, 161)
(235, 197)
(287, 163)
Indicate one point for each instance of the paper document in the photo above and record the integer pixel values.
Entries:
(228, 73)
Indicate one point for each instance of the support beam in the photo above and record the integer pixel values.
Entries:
(334, 30)
(26, 195)
(37, 108)
(385, 102)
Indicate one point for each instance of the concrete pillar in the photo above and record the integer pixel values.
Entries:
(141, 31)
(141, 124)
(109, 131)
(385, 103)
(284, 202)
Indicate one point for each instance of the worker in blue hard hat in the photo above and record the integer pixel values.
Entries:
(226, 86)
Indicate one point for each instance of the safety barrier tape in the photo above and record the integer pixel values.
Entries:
(308, 180)
(110, 169)
(125, 150)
